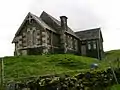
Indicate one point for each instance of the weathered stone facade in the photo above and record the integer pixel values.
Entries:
(45, 34)
(91, 43)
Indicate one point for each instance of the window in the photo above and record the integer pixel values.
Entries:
(34, 37)
(76, 44)
(20, 44)
(28, 38)
(94, 45)
(48, 37)
(38, 39)
(24, 39)
(38, 32)
(66, 40)
(89, 45)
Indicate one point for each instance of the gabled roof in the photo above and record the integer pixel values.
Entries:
(89, 34)
(42, 23)
(38, 20)
(45, 20)
(46, 17)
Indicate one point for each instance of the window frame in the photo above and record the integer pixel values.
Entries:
(89, 46)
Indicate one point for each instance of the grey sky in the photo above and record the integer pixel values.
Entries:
(82, 14)
(76, 11)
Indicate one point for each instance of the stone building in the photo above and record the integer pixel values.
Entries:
(91, 43)
(45, 34)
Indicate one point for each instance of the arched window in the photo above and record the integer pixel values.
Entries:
(34, 37)
(48, 37)
(24, 39)
(38, 39)
(28, 38)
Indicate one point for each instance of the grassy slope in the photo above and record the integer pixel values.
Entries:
(115, 87)
(26, 66)
(112, 55)
(111, 58)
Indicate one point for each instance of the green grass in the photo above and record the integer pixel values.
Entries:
(37, 65)
(112, 55)
(112, 58)
(26, 66)
(115, 87)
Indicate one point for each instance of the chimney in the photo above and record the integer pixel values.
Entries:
(63, 22)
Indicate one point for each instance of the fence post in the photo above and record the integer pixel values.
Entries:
(113, 73)
(118, 61)
(2, 72)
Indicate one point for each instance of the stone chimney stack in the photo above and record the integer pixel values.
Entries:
(62, 33)
(63, 23)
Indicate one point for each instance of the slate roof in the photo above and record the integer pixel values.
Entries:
(89, 34)
(45, 20)
(38, 20)
(46, 17)
(42, 23)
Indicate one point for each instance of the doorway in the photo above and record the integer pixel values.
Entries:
(83, 50)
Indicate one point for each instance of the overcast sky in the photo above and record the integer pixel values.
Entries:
(82, 14)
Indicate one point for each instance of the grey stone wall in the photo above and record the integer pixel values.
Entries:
(33, 36)
(29, 37)
(71, 43)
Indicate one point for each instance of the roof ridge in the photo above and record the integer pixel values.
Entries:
(88, 34)
(88, 30)
(54, 19)
(39, 20)
(58, 22)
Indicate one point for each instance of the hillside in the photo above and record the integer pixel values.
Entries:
(27, 66)
(112, 55)
(111, 58)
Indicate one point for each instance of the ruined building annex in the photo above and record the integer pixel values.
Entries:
(47, 35)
